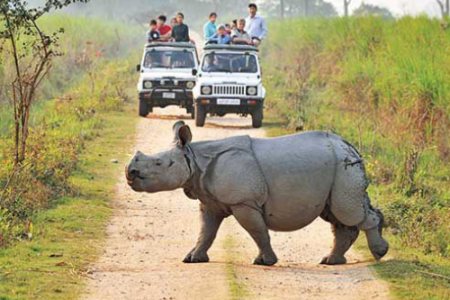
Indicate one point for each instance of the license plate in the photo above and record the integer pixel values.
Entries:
(229, 101)
(169, 95)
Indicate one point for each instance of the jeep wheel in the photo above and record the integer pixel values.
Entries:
(257, 117)
(144, 108)
(190, 110)
(200, 115)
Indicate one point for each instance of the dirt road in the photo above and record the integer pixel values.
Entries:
(150, 234)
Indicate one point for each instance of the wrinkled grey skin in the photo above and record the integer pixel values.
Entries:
(280, 184)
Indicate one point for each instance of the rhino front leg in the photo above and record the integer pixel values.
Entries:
(210, 222)
(253, 222)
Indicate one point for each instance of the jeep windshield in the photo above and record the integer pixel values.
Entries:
(230, 63)
(169, 59)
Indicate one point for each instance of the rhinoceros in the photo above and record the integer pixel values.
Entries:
(279, 184)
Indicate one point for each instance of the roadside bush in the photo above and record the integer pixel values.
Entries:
(93, 78)
(383, 85)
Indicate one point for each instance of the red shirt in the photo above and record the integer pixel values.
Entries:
(165, 29)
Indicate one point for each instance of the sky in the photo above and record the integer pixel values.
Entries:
(398, 7)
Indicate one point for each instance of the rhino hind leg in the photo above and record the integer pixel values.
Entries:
(253, 222)
(350, 203)
(344, 237)
(373, 227)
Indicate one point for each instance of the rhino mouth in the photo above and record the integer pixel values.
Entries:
(132, 177)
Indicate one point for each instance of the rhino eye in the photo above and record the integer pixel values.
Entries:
(158, 163)
(171, 163)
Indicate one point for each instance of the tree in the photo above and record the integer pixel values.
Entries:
(444, 5)
(31, 51)
(372, 10)
(347, 7)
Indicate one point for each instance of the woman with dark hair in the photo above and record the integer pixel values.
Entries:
(210, 29)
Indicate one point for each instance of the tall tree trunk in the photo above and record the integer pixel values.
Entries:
(346, 7)
(306, 8)
(282, 9)
(445, 7)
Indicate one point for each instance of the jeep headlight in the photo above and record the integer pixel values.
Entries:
(252, 90)
(206, 90)
(190, 84)
(148, 84)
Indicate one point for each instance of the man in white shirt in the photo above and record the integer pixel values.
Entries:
(255, 24)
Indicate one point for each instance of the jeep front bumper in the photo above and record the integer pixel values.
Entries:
(166, 97)
(224, 105)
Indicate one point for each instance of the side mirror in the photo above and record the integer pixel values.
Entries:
(194, 72)
(138, 68)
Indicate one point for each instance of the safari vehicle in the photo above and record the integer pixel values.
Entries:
(229, 81)
(166, 76)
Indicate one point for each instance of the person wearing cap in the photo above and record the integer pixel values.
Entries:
(255, 24)
(210, 29)
(221, 37)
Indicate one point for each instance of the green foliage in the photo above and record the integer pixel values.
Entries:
(383, 86)
(365, 10)
(62, 127)
(86, 43)
(54, 264)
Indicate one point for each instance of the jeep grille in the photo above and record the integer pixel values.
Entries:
(229, 90)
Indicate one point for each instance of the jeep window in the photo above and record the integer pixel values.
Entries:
(230, 63)
(163, 59)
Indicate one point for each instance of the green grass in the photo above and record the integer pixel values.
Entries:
(411, 274)
(236, 287)
(67, 237)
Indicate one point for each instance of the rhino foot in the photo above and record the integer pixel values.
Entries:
(264, 260)
(194, 257)
(380, 250)
(333, 260)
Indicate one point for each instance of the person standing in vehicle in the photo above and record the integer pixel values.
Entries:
(173, 22)
(180, 33)
(164, 30)
(153, 34)
(255, 24)
(210, 29)
(240, 36)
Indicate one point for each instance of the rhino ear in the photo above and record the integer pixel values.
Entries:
(183, 134)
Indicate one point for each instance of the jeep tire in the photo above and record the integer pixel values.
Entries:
(144, 108)
(200, 115)
(190, 110)
(257, 117)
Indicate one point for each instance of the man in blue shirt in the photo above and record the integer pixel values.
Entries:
(221, 37)
(255, 24)
(210, 27)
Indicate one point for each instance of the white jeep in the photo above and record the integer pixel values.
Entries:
(166, 76)
(229, 81)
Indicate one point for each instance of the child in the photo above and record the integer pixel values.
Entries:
(173, 22)
(153, 34)
(221, 37)
(228, 29)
